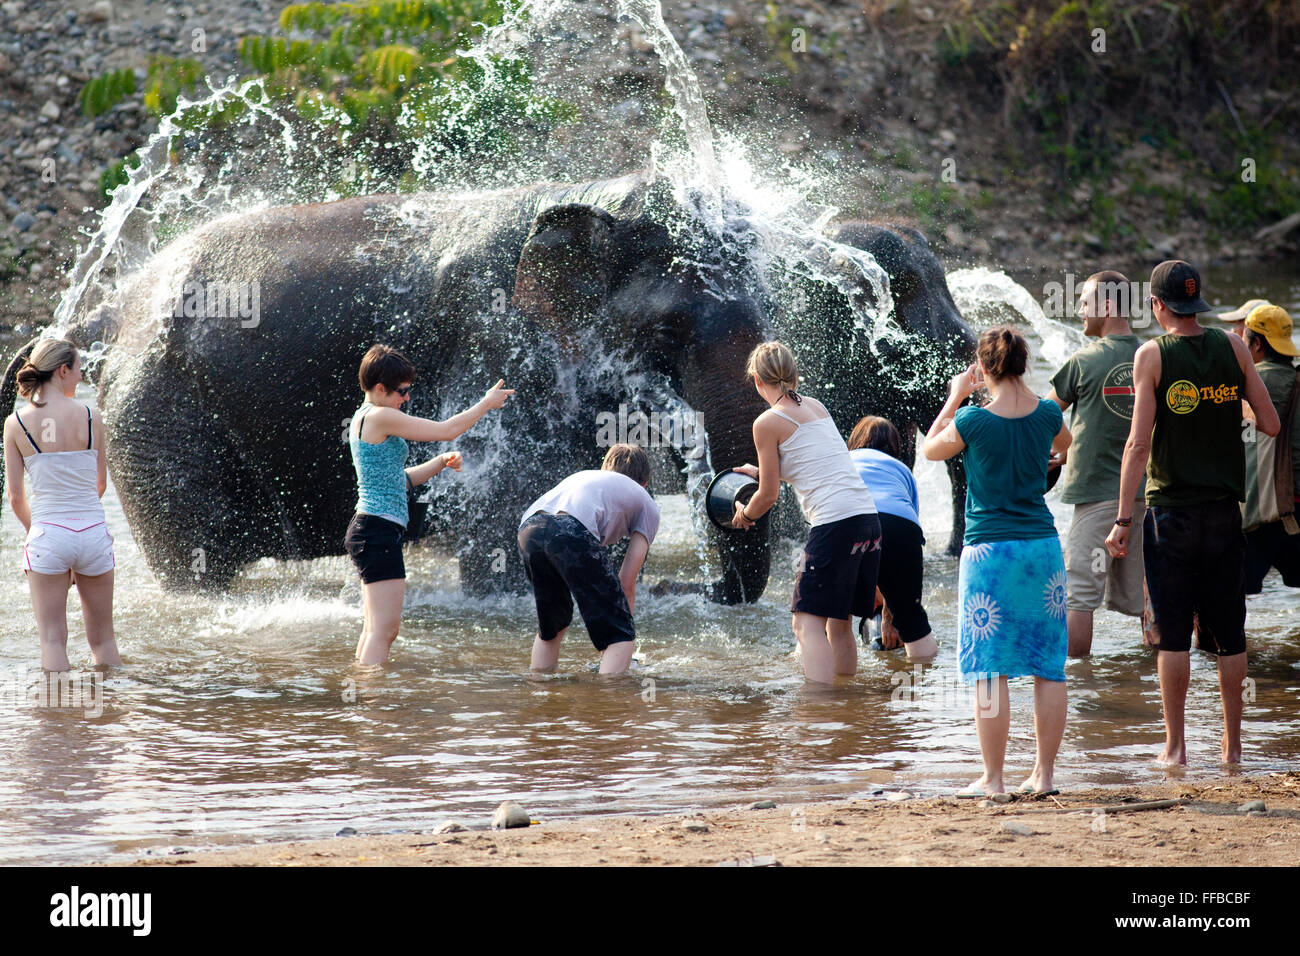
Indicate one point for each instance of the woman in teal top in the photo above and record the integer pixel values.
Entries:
(1011, 579)
(377, 437)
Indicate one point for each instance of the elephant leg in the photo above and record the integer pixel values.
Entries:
(957, 476)
(191, 510)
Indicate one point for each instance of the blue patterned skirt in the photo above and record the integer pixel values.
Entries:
(1012, 617)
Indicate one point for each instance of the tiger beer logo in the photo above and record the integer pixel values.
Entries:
(1182, 397)
(1117, 390)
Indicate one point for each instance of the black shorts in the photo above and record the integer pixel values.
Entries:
(375, 546)
(838, 569)
(564, 562)
(1195, 565)
(902, 560)
(1269, 546)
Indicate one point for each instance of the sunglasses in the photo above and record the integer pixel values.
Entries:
(403, 391)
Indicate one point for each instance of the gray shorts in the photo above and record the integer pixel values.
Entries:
(1092, 576)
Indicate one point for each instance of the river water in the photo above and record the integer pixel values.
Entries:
(241, 718)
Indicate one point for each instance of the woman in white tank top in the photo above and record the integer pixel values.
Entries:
(797, 442)
(59, 443)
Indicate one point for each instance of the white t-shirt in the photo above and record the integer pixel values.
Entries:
(610, 505)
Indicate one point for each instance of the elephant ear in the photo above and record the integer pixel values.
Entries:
(564, 268)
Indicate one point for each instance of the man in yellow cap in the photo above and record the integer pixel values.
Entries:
(1273, 464)
(1236, 319)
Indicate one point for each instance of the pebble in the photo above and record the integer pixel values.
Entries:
(1252, 806)
(449, 826)
(346, 831)
(509, 816)
(695, 826)
(24, 221)
(50, 110)
(899, 796)
(763, 805)
(100, 11)
(1019, 829)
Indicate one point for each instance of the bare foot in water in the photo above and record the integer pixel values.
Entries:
(1172, 757)
(1231, 753)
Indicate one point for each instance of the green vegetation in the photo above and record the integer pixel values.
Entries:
(938, 206)
(373, 75)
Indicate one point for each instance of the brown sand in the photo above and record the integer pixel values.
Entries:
(1204, 827)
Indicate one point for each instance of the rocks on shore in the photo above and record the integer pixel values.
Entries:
(509, 816)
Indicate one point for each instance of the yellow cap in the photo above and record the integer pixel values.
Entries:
(1272, 322)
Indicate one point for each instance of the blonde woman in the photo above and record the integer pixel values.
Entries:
(59, 443)
(798, 442)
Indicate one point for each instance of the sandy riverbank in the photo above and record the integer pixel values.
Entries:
(1204, 826)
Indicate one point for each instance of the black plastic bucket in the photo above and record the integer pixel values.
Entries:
(726, 488)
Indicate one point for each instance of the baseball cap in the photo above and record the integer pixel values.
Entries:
(1239, 315)
(1272, 322)
(1178, 285)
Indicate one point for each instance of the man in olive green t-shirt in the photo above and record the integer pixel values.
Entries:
(1187, 435)
(1098, 381)
(1272, 541)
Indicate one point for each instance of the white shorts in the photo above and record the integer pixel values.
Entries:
(54, 549)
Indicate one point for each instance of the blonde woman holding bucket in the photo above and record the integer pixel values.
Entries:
(797, 442)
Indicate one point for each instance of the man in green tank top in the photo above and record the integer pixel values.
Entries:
(1098, 381)
(1187, 434)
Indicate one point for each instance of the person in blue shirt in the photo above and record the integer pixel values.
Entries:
(1011, 579)
(876, 450)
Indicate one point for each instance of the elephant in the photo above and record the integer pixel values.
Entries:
(903, 377)
(226, 426)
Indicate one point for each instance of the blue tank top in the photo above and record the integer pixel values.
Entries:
(381, 473)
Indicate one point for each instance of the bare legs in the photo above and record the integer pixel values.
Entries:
(50, 603)
(1174, 669)
(614, 659)
(1232, 674)
(49, 594)
(382, 601)
(826, 645)
(97, 611)
(992, 725)
(1049, 728)
(1079, 624)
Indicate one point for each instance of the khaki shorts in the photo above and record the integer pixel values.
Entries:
(1091, 574)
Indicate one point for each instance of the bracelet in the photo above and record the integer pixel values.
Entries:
(745, 516)
(1123, 522)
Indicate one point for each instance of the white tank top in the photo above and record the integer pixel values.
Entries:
(815, 461)
(65, 485)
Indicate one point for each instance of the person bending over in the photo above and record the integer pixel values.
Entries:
(564, 541)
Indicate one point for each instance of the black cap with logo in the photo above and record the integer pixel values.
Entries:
(1178, 285)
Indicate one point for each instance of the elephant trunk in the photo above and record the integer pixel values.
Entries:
(9, 387)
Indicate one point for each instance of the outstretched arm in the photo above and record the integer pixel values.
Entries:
(391, 421)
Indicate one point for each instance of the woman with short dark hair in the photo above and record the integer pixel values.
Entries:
(377, 438)
(1011, 578)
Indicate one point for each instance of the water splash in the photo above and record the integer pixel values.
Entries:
(987, 297)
